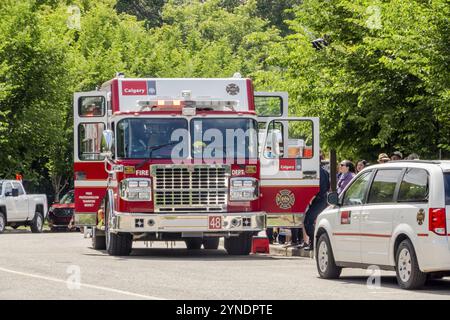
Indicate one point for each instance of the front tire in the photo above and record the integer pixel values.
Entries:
(211, 243)
(326, 265)
(2, 222)
(409, 276)
(117, 244)
(37, 223)
(240, 245)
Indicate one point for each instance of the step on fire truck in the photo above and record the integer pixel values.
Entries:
(191, 160)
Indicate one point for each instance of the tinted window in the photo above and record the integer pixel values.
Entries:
(19, 187)
(447, 188)
(91, 106)
(414, 186)
(383, 186)
(355, 194)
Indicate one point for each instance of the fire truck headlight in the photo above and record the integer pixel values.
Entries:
(243, 189)
(136, 189)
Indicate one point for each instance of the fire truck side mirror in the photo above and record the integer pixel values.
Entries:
(107, 141)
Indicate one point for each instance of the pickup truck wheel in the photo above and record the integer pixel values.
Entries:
(193, 243)
(409, 276)
(2, 222)
(37, 223)
(211, 243)
(98, 241)
(240, 245)
(326, 265)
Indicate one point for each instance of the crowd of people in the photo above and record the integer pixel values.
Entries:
(302, 237)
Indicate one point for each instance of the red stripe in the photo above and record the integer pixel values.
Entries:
(422, 234)
(363, 234)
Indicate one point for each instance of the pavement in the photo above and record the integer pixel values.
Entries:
(64, 266)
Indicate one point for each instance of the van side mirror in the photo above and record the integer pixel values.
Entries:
(333, 198)
(15, 192)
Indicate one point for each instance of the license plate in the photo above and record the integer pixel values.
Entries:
(214, 222)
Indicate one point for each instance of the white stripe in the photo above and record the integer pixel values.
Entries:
(127, 293)
(91, 183)
(283, 182)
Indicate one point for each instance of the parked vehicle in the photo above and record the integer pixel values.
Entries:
(61, 213)
(17, 208)
(167, 168)
(394, 216)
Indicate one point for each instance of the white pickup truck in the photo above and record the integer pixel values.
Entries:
(20, 209)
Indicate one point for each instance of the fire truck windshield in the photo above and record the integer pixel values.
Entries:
(230, 138)
(150, 138)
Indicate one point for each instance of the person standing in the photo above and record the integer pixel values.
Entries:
(318, 204)
(347, 172)
(361, 164)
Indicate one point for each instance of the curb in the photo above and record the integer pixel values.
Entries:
(290, 252)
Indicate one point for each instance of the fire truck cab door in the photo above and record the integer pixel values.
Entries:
(90, 178)
(289, 168)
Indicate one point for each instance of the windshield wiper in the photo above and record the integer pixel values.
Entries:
(153, 148)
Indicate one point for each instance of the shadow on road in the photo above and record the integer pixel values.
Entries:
(438, 287)
(183, 254)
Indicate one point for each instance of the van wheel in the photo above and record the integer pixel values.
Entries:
(409, 276)
(326, 266)
(37, 223)
(240, 245)
(2, 222)
(193, 243)
(211, 243)
(98, 241)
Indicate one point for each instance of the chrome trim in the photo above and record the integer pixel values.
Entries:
(187, 222)
(190, 188)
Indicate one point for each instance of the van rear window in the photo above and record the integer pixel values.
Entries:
(447, 188)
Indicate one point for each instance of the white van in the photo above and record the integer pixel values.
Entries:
(395, 216)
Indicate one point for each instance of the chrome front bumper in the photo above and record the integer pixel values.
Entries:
(188, 222)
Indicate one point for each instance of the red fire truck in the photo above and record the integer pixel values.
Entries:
(191, 160)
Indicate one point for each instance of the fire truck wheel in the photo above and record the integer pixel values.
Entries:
(326, 266)
(119, 244)
(98, 241)
(211, 243)
(37, 223)
(193, 243)
(240, 245)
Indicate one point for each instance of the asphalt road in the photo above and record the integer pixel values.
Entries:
(48, 266)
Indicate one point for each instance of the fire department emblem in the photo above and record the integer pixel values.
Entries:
(420, 217)
(232, 89)
(285, 199)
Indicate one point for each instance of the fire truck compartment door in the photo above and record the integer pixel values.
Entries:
(290, 168)
(90, 120)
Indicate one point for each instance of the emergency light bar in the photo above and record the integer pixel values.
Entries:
(194, 104)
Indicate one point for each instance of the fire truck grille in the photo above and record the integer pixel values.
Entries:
(181, 188)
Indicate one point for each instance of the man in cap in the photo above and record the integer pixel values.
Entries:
(397, 155)
(383, 158)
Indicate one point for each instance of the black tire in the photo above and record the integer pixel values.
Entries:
(211, 243)
(240, 245)
(413, 279)
(117, 244)
(326, 265)
(193, 243)
(37, 223)
(2, 222)
(98, 241)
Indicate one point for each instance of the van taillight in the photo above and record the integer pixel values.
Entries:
(437, 223)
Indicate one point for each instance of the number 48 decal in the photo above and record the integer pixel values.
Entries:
(214, 222)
